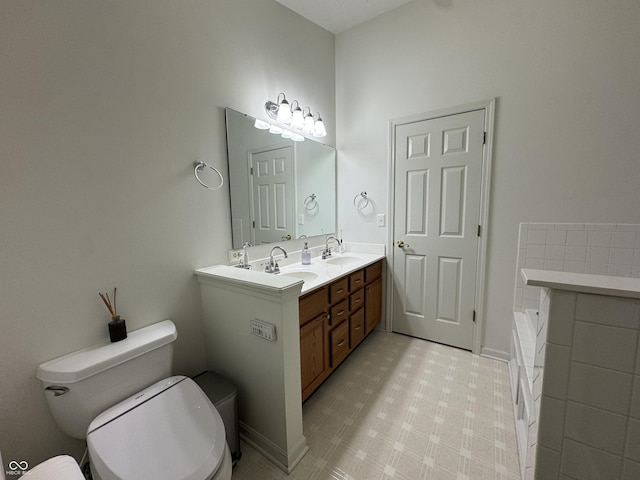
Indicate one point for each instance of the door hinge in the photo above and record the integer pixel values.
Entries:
(253, 223)
(484, 138)
(479, 230)
(474, 315)
(251, 171)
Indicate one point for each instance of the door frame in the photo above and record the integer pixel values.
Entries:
(489, 111)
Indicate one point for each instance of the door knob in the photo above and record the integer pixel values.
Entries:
(286, 237)
(401, 244)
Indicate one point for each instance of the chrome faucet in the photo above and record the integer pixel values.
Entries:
(273, 267)
(327, 251)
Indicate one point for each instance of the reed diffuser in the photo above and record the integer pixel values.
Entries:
(117, 325)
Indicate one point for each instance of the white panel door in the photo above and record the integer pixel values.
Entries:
(438, 178)
(273, 195)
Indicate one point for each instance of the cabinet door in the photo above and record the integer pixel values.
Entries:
(312, 338)
(373, 304)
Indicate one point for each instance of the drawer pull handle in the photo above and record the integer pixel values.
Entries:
(340, 291)
(341, 312)
(341, 343)
(358, 327)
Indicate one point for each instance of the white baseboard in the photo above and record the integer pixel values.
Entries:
(495, 354)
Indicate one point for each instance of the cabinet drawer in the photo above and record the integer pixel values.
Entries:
(312, 305)
(356, 280)
(356, 328)
(339, 343)
(373, 271)
(339, 313)
(356, 300)
(338, 290)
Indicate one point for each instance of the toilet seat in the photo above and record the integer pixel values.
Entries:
(169, 431)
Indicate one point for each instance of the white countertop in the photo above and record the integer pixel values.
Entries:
(318, 273)
(583, 282)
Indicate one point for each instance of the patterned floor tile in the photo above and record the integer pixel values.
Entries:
(404, 409)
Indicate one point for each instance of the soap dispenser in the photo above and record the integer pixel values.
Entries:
(306, 255)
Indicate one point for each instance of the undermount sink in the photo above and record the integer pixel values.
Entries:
(345, 260)
(306, 276)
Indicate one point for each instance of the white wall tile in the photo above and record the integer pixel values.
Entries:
(558, 237)
(538, 237)
(574, 267)
(556, 374)
(569, 226)
(619, 270)
(628, 227)
(535, 251)
(632, 448)
(562, 310)
(541, 226)
(575, 253)
(604, 346)
(587, 463)
(537, 263)
(595, 427)
(616, 312)
(554, 252)
(634, 410)
(599, 238)
(630, 470)
(623, 239)
(622, 256)
(599, 387)
(551, 424)
(547, 463)
(598, 254)
(597, 268)
(603, 227)
(554, 265)
(578, 238)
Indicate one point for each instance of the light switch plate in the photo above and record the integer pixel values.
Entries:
(380, 220)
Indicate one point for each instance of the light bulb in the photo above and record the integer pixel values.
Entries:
(284, 112)
(287, 134)
(297, 120)
(275, 130)
(320, 131)
(297, 137)
(309, 124)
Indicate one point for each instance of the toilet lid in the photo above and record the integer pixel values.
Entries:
(170, 431)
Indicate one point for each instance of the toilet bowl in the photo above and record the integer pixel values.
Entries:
(139, 422)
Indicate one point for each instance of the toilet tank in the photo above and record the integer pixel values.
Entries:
(83, 384)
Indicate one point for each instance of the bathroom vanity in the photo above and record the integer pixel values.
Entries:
(581, 418)
(279, 336)
(334, 319)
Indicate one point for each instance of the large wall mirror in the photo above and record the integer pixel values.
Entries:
(280, 189)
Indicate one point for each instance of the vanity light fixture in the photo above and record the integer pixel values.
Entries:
(285, 114)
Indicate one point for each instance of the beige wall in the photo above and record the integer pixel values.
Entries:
(566, 147)
(104, 106)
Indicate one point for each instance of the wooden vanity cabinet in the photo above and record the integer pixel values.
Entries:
(334, 319)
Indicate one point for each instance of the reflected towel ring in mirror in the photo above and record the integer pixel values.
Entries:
(310, 202)
(198, 166)
(362, 202)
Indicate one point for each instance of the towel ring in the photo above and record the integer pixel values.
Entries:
(310, 202)
(198, 166)
(358, 203)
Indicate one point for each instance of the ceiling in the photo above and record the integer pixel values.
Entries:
(340, 15)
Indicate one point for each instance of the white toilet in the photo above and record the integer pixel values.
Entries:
(139, 423)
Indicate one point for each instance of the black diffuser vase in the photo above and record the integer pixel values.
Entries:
(117, 329)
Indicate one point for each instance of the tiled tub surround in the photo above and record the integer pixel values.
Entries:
(585, 420)
(596, 248)
(267, 373)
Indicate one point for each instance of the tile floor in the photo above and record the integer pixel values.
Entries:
(408, 409)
